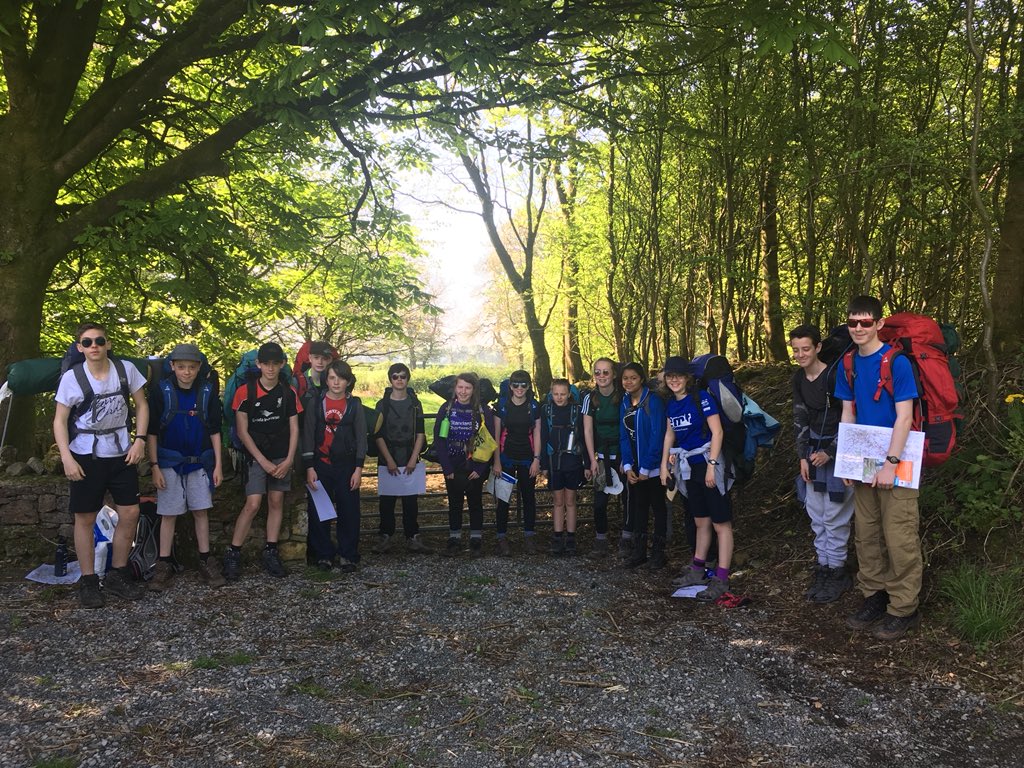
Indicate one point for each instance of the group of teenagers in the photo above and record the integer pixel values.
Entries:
(642, 436)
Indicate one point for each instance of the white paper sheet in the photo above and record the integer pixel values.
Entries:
(324, 506)
(402, 484)
(500, 487)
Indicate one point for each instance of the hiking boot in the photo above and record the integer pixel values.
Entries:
(625, 549)
(476, 546)
(272, 563)
(119, 582)
(346, 566)
(837, 582)
(600, 549)
(454, 547)
(658, 559)
(530, 545)
(557, 544)
(89, 593)
(821, 574)
(570, 546)
(504, 550)
(163, 573)
(639, 556)
(210, 576)
(384, 544)
(416, 546)
(870, 612)
(324, 565)
(232, 564)
(690, 577)
(894, 627)
(716, 588)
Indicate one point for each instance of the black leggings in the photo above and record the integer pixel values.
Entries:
(526, 488)
(644, 496)
(461, 487)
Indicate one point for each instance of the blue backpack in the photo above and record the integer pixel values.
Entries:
(205, 392)
(573, 442)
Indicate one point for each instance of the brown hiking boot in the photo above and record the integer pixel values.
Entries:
(894, 627)
(163, 574)
(212, 577)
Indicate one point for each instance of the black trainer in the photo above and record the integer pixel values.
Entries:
(454, 547)
(119, 582)
(837, 582)
(894, 627)
(89, 593)
(476, 546)
(871, 611)
(817, 582)
(232, 564)
(272, 563)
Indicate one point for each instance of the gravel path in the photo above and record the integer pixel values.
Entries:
(477, 663)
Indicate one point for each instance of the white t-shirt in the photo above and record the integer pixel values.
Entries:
(108, 410)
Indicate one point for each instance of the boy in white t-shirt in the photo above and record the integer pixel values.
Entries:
(92, 429)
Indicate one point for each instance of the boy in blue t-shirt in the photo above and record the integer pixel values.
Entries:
(887, 518)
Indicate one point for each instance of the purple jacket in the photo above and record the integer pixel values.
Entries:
(451, 455)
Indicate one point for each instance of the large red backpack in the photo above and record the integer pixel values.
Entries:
(937, 407)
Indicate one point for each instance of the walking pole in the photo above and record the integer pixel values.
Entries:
(5, 394)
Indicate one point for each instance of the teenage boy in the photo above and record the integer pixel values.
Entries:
(267, 422)
(184, 449)
(887, 540)
(400, 436)
(829, 503)
(91, 427)
(311, 386)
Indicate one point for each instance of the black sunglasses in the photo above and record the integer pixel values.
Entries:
(519, 384)
(850, 323)
(398, 377)
(99, 341)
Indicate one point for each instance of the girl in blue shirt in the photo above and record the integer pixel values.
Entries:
(692, 452)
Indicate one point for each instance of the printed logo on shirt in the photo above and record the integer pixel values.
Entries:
(681, 422)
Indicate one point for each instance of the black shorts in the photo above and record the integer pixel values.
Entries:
(567, 479)
(702, 501)
(102, 475)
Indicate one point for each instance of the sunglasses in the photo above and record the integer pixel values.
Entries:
(398, 377)
(602, 373)
(518, 384)
(99, 341)
(851, 323)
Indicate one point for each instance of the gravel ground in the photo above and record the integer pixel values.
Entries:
(434, 662)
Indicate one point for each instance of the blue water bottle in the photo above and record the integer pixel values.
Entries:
(60, 558)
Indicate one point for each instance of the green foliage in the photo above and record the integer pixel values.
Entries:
(987, 605)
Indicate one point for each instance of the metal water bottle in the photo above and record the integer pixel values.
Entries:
(60, 557)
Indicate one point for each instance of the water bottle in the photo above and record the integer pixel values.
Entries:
(60, 558)
(443, 429)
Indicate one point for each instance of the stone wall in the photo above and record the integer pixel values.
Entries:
(34, 512)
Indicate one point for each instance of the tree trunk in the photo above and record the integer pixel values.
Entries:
(1008, 280)
(776, 334)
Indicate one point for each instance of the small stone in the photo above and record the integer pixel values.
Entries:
(8, 455)
(17, 469)
(36, 465)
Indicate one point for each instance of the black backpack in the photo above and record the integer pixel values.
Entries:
(145, 549)
(74, 361)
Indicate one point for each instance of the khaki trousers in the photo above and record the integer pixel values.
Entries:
(888, 544)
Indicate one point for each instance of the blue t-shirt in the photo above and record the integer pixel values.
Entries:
(865, 384)
(686, 422)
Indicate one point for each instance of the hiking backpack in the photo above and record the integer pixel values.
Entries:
(375, 428)
(745, 424)
(246, 374)
(74, 361)
(145, 551)
(301, 367)
(937, 405)
(501, 406)
(169, 392)
(574, 442)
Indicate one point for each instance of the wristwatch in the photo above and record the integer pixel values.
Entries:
(893, 459)
(713, 462)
